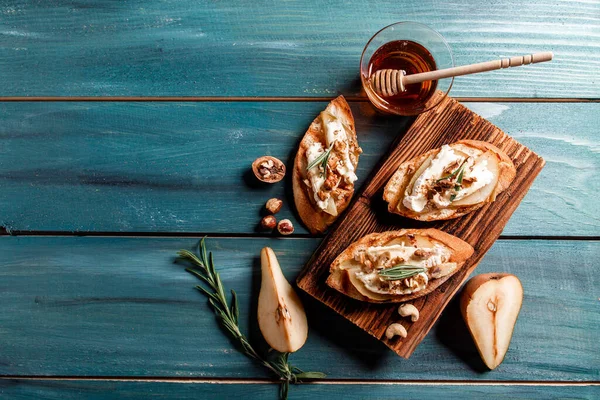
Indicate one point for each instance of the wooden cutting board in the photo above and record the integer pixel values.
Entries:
(447, 123)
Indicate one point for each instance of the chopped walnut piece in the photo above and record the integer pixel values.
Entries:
(384, 258)
(338, 192)
(339, 146)
(450, 168)
(322, 195)
(421, 253)
(360, 257)
(331, 182)
(395, 261)
(445, 184)
(333, 161)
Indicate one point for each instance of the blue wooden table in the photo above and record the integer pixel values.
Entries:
(127, 130)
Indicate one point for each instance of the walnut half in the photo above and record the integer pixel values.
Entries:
(268, 169)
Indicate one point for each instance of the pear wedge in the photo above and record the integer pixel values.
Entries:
(490, 305)
(281, 316)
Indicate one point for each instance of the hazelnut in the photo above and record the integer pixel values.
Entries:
(268, 222)
(273, 205)
(268, 169)
(285, 227)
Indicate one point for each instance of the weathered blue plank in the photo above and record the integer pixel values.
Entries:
(182, 167)
(101, 390)
(120, 307)
(560, 202)
(291, 48)
(153, 167)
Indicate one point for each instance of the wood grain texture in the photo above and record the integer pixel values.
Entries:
(179, 167)
(91, 390)
(120, 307)
(368, 213)
(292, 48)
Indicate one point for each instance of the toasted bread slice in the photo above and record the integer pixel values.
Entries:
(400, 183)
(315, 218)
(343, 270)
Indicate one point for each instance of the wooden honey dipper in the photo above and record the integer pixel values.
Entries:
(390, 82)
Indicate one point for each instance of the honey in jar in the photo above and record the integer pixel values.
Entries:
(413, 58)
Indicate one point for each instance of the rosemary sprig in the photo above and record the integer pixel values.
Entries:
(321, 161)
(458, 184)
(228, 316)
(460, 169)
(401, 271)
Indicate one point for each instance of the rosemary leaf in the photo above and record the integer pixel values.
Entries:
(458, 185)
(227, 314)
(324, 165)
(206, 292)
(202, 248)
(460, 168)
(189, 254)
(210, 265)
(198, 275)
(321, 160)
(398, 272)
(235, 307)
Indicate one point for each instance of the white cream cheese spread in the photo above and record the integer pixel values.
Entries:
(417, 199)
(372, 282)
(377, 257)
(336, 139)
(480, 175)
(474, 176)
(315, 176)
(335, 132)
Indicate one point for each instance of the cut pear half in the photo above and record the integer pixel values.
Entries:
(419, 172)
(362, 289)
(281, 315)
(490, 305)
(485, 193)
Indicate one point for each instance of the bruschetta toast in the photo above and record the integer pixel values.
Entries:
(325, 167)
(450, 181)
(397, 266)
